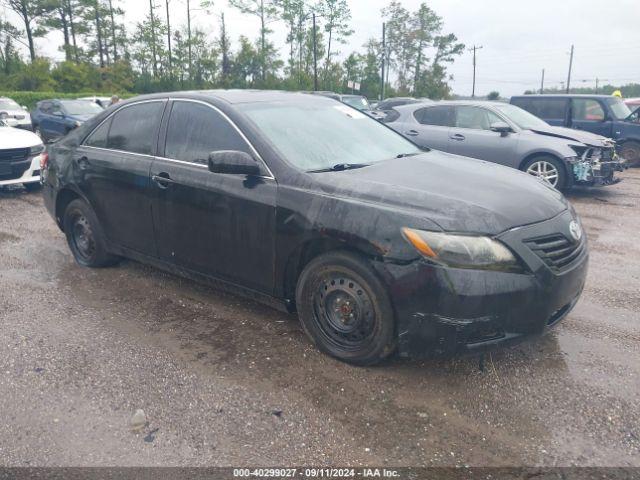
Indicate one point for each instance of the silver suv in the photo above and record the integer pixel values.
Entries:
(506, 134)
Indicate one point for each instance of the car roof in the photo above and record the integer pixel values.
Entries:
(564, 95)
(235, 97)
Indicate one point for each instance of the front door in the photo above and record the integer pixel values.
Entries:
(472, 137)
(113, 166)
(590, 115)
(216, 224)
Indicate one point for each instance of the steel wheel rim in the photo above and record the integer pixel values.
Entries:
(82, 236)
(344, 312)
(546, 171)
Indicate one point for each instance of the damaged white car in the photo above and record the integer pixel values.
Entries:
(506, 134)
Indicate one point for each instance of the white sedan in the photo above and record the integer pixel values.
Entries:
(20, 154)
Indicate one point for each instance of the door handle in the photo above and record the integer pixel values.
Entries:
(163, 180)
(83, 163)
(458, 137)
(412, 133)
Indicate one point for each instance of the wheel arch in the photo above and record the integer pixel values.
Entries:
(64, 197)
(306, 252)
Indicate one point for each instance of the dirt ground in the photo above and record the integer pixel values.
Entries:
(227, 382)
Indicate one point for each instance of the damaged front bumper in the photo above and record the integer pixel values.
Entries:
(596, 167)
(448, 311)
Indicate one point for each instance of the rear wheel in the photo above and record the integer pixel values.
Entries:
(85, 237)
(345, 309)
(548, 169)
(630, 151)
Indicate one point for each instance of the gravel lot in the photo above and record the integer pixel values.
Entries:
(225, 381)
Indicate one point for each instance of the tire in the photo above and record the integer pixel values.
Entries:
(85, 237)
(549, 169)
(630, 151)
(345, 309)
(32, 187)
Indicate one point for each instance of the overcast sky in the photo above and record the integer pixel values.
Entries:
(519, 37)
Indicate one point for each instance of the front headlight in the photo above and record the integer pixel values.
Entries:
(462, 251)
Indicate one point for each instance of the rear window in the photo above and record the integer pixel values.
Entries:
(134, 128)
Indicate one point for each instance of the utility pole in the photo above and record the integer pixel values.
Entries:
(570, 67)
(542, 83)
(189, 36)
(384, 59)
(169, 39)
(153, 40)
(474, 49)
(597, 84)
(315, 55)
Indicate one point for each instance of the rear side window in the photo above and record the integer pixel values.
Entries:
(587, 109)
(134, 129)
(98, 137)
(195, 130)
(441, 116)
(547, 108)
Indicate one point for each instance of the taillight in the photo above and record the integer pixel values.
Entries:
(44, 160)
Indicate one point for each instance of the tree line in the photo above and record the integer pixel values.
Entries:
(101, 54)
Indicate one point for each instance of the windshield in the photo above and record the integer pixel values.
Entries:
(7, 104)
(520, 117)
(619, 109)
(80, 107)
(313, 137)
(360, 103)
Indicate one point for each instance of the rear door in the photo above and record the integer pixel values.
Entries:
(216, 224)
(113, 167)
(472, 136)
(591, 115)
(430, 127)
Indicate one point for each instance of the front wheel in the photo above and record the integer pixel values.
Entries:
(549, 169)
(85, 237)
(345, 309)
(630, 151)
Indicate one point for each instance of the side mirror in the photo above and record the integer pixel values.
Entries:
(57, 113)
(233, 162)
(24, 107)
(502, 128)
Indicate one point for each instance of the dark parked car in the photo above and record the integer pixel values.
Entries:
(600, 114)
(295, 201)
(53, 119)
(505, 134)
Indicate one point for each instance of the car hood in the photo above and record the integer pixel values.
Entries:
(589, 139)
(458, 193)
(16, 138)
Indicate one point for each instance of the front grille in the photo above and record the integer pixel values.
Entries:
(557, 251)
(14, 155)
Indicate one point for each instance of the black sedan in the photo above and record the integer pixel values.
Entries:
(314, 207)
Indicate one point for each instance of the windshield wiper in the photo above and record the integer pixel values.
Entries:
(341, 167)
(405, 155)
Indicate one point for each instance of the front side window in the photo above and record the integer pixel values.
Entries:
(314, 137)
(475, 117)
(587, 109)
(196, 130)
(619, 109)
(441, 116)
(134, 128)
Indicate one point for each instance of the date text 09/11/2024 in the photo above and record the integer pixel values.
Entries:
(316, 473)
